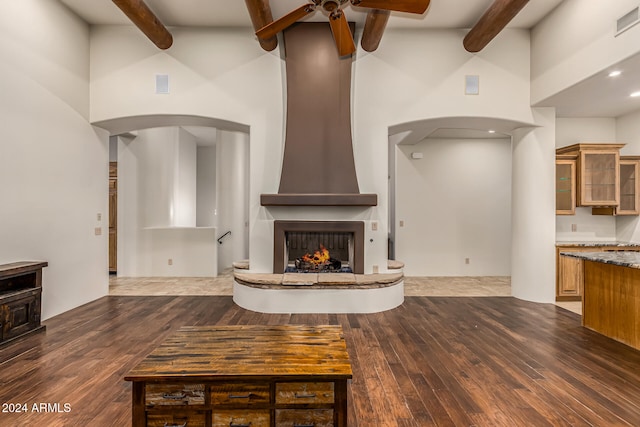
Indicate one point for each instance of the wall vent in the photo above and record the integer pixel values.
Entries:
(162, 83)
(627, 21)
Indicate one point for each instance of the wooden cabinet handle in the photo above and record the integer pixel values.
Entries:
(303, 425)
(231, 424)
(175, 425)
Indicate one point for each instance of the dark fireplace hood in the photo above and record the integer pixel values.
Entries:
(318, 167)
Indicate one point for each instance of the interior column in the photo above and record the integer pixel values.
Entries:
(533, 210)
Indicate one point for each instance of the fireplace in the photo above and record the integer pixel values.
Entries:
(318, 247)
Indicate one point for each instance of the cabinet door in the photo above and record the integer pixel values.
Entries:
(565, 187)
(570, 276)
(599, 178)
(20, 316)
(629, 188)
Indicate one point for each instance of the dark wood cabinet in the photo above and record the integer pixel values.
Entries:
(20, 299)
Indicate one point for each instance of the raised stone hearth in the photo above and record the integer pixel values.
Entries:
(318, 292)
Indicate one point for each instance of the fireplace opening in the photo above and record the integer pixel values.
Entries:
(313, 252)
(318, 247)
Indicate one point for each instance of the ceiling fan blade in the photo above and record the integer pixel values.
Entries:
(342, 33)
(409, 6)
(287, 20)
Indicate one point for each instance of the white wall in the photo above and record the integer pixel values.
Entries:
(455, 203)
(206, 186)
(232, 193)
(217, 73)
(157, 231)
(576, 41)
(236, 81)
(588, 227)
(53, 164)
(185, 188)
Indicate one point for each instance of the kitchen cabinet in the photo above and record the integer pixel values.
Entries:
(570, 270)
(629, 186)
(566, 184)
(629, 189)
(598, 173)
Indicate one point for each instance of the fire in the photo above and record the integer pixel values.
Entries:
(319, 257)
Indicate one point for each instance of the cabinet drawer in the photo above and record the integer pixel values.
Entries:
(304, 393)
(176, 420)
(174, 394)
(304, 418)
(240, 394)
(241, 418)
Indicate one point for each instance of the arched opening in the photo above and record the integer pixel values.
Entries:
(182, 195)
(464, 216)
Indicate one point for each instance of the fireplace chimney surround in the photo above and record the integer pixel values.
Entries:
(318, 166)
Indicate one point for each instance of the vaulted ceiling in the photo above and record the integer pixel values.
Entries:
(594, 97)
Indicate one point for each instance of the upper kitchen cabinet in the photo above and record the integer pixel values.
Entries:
(629, 186)
(566, 184)
(598, 173)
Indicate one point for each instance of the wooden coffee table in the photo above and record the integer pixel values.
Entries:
(240, 376)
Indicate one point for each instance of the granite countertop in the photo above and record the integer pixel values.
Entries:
(624, 259)
(595, 243)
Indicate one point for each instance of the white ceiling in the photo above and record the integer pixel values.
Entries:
(598, 96)
(233, 13)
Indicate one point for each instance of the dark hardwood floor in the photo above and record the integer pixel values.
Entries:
(492, 361)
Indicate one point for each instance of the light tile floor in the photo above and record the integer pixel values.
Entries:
(223, 285)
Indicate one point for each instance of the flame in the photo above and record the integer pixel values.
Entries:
(319, 257)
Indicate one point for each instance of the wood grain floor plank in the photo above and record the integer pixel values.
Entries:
(494, 361)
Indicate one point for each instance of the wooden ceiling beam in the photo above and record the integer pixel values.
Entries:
(260, 13)
(499, 14)
(374, 28)
(140, 14)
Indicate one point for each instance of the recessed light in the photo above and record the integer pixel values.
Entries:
(492, 131)
(615, 73)
(635, 94)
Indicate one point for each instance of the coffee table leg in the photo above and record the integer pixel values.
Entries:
(138, 416)
(341, 403)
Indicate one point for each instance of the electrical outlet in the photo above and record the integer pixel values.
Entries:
(466, 260)
(374, 225)
(99, 216)
(574, 227)
(376, 270)
(401, 223)
(170, 261)
(97, 231)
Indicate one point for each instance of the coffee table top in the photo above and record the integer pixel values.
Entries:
(288, 352)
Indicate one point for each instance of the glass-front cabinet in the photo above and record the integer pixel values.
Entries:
(565, 185)
(598, 173)
(629, 186)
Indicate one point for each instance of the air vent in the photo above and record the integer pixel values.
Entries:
(162, 83)
(627, 21)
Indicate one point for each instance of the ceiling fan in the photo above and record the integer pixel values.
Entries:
(337, 19)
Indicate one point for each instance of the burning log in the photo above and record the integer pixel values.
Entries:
(319, 261)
